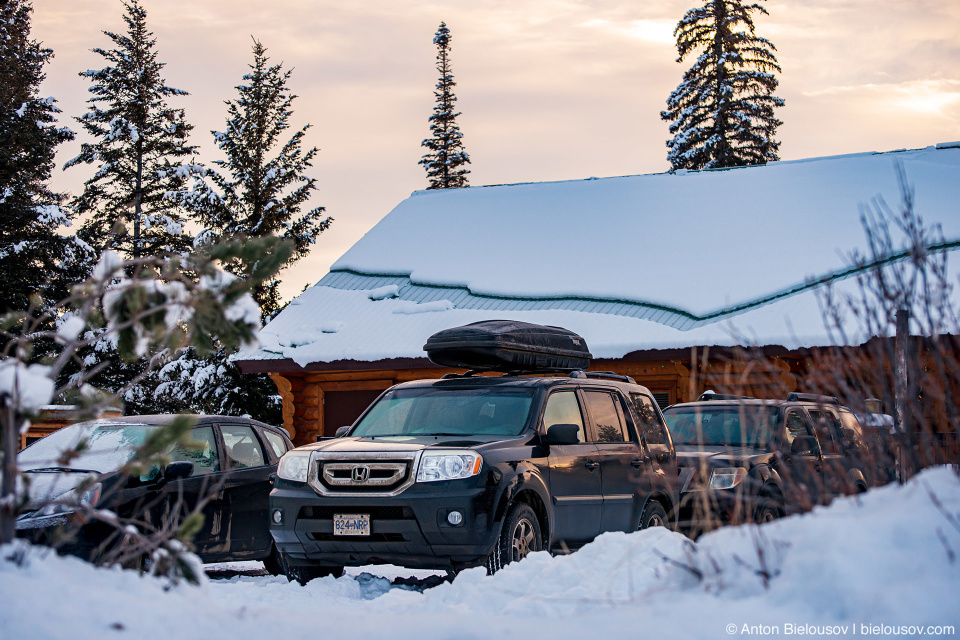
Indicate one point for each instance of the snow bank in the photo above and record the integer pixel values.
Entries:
(888, 558)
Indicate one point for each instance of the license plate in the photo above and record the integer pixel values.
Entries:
(351, 525)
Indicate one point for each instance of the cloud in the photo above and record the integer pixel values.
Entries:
(934, 97)
(657, 32)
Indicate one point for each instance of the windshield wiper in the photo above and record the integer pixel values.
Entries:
(429, 435)
(59, 470)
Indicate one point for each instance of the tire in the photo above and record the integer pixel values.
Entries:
(767, 511)
(653, 516)
(272, 563)
(519, 537)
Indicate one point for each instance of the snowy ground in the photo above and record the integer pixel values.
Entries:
(861, 567)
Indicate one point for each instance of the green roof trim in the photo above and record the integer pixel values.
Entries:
(682, 319)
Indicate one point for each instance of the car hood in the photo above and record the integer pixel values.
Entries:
(46, 486)
(694, 455)
(401, 443)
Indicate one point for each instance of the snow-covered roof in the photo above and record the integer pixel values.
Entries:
(631, 263)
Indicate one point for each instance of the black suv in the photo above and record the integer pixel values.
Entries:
(743, 459)
(476, 470)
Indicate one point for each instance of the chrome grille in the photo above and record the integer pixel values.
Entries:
(362, 473)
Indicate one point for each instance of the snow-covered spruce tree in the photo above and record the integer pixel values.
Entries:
(260, 189)
(722, 114)
(446, 157)
(139, 149)
(141, 153)
(34, 258)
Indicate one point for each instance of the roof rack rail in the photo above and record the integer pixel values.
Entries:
(710, 395)
(793, 396)
(606, 375)
(448, 376)
(507, 372)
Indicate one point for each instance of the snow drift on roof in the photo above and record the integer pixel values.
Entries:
(697, 241)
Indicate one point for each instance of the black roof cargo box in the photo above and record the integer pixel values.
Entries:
(508, 345)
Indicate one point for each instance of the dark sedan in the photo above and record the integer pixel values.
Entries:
(230, 462)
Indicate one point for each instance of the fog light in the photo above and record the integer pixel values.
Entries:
(277, 516)
(454, 518)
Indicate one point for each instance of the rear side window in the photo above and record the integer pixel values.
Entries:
(276, 442)
(606, 417)
(243, 448)
(563, 408)
(647, 419)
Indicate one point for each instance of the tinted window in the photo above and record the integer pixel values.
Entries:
(202, 451)
(243, 449)
(441, 411)
(796, 427)
(606, 417)
(276, 442)
(563, 408)
(747, 425)
(647, 419)
(827, 427)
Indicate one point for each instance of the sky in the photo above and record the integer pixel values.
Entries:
(547, 89)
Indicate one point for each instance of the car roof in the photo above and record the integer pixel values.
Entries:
(766, 402)
(524, 382)
(166, 419)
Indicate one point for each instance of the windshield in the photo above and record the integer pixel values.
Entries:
(454, 412)
(110, 445)
(741, 426)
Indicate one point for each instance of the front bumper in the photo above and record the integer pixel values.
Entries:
(408, 529)
(702, 508)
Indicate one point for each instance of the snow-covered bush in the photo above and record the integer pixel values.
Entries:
(147, 308)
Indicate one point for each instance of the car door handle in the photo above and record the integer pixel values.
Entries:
(591, 465)
(639, 462)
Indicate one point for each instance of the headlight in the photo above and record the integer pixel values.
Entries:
(727, 477)
(448, 465)
(293, 465)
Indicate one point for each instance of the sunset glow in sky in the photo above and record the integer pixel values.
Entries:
(548, 89)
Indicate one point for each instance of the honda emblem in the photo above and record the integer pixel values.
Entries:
(360, 473)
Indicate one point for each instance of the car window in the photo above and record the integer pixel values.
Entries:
(606, 417)
(243, 449)
(563, 408)
(827, 426)
(202, 452)
(796, 426)
(275, 441)
(851, 429)
(647, 419)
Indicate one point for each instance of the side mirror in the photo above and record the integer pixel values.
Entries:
(804, 446)
(178, 470)
(562, 434)
(342, 431)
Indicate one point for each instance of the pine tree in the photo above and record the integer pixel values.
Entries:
(34, 258)
(259, 190)
(722, 114)
(446, 157)
(261, 186)
(139, 149)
